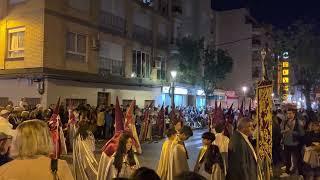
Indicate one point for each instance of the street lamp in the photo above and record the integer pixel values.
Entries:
(244, 89)
(173, 76)
(133, 75)
(263, 64)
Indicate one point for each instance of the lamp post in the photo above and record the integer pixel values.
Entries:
(244, 89)
(173, 76)
(263, 64)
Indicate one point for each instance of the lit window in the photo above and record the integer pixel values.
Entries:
(76, 46)
(285, 80)
(285, 64)
(285, 72)
(16, 42)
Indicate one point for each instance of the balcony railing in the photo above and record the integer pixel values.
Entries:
(111, 67)
(113, 23)
(142, 34)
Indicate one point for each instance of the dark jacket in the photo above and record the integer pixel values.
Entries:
(241, 161)
(4, 159)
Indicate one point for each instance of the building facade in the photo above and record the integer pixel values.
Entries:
(243, 38)
(84, 51)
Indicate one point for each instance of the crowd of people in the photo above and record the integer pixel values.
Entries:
(33, 140)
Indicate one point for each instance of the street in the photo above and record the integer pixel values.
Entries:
(151, 151)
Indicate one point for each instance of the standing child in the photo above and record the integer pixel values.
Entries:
(209, 163)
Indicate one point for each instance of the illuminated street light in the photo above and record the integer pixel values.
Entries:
(272, 94)
(133, 75)
(244, 89)
(173, 74)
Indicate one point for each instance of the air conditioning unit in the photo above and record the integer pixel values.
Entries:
(95, 43)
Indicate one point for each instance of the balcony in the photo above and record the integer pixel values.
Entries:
(142, 34)
(112, 23)
(110, 67)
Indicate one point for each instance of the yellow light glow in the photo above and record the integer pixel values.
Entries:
(285, 80)
(286, 88)
(285, 64)
(285, 72)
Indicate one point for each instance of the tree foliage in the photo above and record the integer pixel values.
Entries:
(303, 44)
(202, 65)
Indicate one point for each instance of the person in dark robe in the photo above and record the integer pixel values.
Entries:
(242, 159)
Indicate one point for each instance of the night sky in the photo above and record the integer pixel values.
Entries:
(280, 13)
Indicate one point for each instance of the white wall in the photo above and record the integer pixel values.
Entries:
(15, 89)
(77, 90)
(231, 27)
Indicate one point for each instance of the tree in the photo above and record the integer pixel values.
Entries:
(302, 43)
(216, 63)
(202, 65)
(189, 59)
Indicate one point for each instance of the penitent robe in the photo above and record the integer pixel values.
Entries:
(163, 165)
(84, 163)
(178, 160)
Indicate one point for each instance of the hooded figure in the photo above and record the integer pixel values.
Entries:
(57, 135)
(161, 122)
(228, 130)
(146, 124)
(111, 146)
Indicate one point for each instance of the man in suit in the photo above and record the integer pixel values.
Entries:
(242, 159)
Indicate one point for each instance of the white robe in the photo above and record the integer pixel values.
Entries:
(126, 171)
(84, 163)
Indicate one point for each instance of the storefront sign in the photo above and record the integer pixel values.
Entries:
(200, 93)
(177, 90)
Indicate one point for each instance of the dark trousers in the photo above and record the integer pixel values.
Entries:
(100, 132)
(292, 158)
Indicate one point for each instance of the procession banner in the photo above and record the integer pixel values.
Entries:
(264, 139)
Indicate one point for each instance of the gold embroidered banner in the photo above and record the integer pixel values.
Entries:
(264, 113)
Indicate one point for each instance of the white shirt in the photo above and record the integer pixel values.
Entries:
(250, 145)
(222, 142)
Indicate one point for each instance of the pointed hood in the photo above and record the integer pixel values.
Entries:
(230, 110)
(118, 117)
(161, 121)
(215, 105)
(129, 114)
(241, 111)
(130, 127)
(54, 117)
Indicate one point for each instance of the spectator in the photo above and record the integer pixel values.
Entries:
(144, 173)
(108, 124)
(5, 141)
(33, 144)
(292, 132)
(5, 126)
(242, 158)
(100, 124)
(189, 176)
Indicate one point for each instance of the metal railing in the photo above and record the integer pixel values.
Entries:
(142, 34)
(112, 22)
(110, 67)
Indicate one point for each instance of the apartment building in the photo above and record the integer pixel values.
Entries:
(243, 38)
(84, 51)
